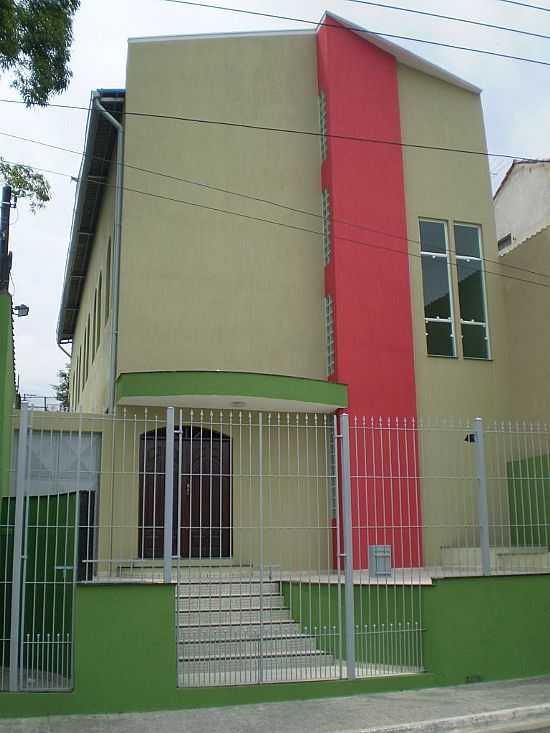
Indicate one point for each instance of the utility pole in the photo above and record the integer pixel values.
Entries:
(5, 256)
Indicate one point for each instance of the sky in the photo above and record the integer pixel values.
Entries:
(515, 98)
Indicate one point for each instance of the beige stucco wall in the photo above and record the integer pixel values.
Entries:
(296, 503)
(527, 313)
(456, 188)
(94, 396)
(522, 204)
(205, 290)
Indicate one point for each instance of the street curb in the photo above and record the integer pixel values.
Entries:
(526, 715)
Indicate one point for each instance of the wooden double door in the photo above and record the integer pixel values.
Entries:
(202, 507)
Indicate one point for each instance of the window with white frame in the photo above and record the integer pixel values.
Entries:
(325, 204)
(323, 124)
(329, 325)
(436, 282)
(471, 291)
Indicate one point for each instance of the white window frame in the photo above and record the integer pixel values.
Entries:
(446, 257)
(481, 261)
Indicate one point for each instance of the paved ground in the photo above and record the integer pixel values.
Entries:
(504, 706)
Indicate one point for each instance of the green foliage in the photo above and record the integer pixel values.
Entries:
(25, 183)
(35, 42)
(61, 389)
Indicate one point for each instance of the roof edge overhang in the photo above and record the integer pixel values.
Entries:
(404, 56)
(113, 101)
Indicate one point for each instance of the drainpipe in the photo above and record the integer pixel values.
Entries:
(116, 249)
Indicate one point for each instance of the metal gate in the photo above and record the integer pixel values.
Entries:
(43, 524)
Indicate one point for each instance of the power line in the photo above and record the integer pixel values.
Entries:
(453, 18)
(525, 5)
(316, 23)
(258, 199)
(250, 217)
(290, 131)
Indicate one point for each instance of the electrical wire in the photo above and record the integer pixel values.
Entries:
(290, 131)
(455, 19)
(525, 5)
(317, 24)
(258, 199)
(294, 227)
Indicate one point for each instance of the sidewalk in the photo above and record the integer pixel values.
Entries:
(522, 705)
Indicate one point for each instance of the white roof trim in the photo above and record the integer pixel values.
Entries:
(403, 56)
(233, 34)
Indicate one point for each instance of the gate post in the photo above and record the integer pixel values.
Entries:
(482, 497)
(169, 495)
(261, 548)
(20, 485)
(348, 547)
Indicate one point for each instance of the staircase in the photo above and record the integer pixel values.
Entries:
(236, 630)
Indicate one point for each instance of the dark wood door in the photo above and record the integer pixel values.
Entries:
(202, 513)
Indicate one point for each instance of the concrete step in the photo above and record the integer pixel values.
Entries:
(238, 631)
(223, 617)
(230, 602)
(244, 663)
(223, 587)
(248, 648)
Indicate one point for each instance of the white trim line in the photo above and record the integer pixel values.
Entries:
(234, 34)
(403, 55)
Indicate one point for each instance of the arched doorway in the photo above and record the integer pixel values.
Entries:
(202, 524)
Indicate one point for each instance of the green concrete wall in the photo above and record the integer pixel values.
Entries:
(476, 629)
(529, 500)
(7, 388)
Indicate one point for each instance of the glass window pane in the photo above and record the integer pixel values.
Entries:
(439, 339)
(474, 341)
(470, 290)
(435, 279)
(467, 241)
(432, 236)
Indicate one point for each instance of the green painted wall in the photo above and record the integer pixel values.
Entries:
(159, 384)
(48, 592)
(529, 500)
(388, 620)
(480, 628)
(7, 388)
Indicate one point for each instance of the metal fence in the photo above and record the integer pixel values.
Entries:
(299, 546)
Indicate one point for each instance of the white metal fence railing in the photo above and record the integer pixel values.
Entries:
(298, 545)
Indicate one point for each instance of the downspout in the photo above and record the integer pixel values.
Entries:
(116, 249)
(65, 352)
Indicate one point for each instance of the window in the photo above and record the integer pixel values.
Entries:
(94, 326)
(108, 283)
(329, 325)
(438, 307)
(99, 322)
(471, 291)
(504, 242)
(323, 124)
(325, 207)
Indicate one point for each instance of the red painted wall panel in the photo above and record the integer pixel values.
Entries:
(369, 277)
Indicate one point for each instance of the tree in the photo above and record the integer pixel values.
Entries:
(25, 183)
(61, 389)
(35, 43)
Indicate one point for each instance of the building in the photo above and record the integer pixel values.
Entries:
(522, 212)
(221, 258)
(281, 258)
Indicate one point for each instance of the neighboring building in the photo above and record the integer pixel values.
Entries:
(522, 210)
(522, 202)
(190, 283)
